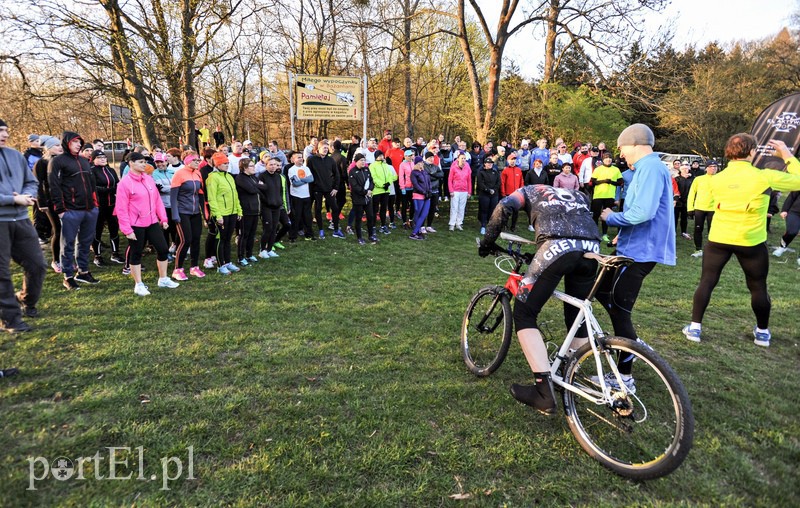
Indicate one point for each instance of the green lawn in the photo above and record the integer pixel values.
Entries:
(332, 376)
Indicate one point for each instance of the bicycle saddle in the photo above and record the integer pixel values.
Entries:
(609, 261)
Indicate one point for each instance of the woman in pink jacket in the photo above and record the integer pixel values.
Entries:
(460, 184)
(406, 189)
(142, 216)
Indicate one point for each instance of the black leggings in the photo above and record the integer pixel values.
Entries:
(598, 204)
(681, 216)
(55, 238)
(792, 228)
(701, 217)
(486, 204)
(269, 227)
(152, 234)
(358, 211)
(433, 209)
(754, 261)
(171, 233)
(383, 206)
(224, 234)
(106, 216)
(211, 239)
(189, 230)
(331, 204)
(578, 274)
(618, 294)
(248, 236)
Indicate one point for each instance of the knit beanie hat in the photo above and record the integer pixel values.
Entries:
(96, 154)
(32, 138)
(3, 124)
(49, 142)
(418, 159)
(218, 159)
(636, 134)
(358, 157)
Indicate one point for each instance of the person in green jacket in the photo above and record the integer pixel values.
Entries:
(223, 200)
(384, 176)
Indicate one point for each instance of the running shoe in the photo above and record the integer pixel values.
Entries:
(56, 267)
(693, 334)
(223, 270)
(761, 338)
(197, 272)
(611, 382)
(179, 274)
(140, 289)
(252, 259)
(698, 254)
(232, 267)
(86, 278)
(278, 245)
(338, 234)
(166, 282)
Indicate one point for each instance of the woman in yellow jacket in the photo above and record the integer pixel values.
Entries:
(741, 197)
(701, 204)
(223, 200)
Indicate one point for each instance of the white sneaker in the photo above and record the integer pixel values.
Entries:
(140, 289)
(459, 227)
(430, 230)
(264, 254)
(166, 282)
(698, 254)
(778, 252)
(530, 228)
(423, 230)
(273, 254)
(452, 228)
(208, 263)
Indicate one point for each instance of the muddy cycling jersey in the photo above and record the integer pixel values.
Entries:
(561, 217)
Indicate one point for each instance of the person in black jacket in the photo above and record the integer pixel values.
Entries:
(72, 189)
(273, 211)
(106, 180)
(52, 147)
(249, 188)
(684, 181)
(326, 186)
(341, 165)
(791, 214)
(437, 174)
(361, 185)
(488, 183)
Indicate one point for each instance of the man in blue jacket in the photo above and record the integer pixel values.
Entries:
(646, 234)
(18, 241)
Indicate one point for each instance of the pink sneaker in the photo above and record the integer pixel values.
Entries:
(56, 267)
(195, 270)
(178, 274)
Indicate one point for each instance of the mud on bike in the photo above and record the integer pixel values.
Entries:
(640, 430)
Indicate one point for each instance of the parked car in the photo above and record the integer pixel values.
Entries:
(118, 148)
(669, 158)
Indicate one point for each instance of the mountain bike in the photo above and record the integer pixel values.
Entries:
(640, 430)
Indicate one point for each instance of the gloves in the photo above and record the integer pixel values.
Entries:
(386, 186)
(486, 248)
(159, 187)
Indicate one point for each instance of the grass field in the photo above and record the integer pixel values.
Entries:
(332, 376)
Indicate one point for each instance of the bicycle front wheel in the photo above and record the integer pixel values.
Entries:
(646, 430)
(486, 330)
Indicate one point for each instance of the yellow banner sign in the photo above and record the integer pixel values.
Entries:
(328, 97)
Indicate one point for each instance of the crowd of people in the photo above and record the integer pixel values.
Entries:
(162, 201)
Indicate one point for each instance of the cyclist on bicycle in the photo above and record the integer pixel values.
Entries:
(562, 219)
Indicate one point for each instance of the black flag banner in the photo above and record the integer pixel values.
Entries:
(780, 120)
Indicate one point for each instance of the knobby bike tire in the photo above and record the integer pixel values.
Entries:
(650, 432)
(486, 330)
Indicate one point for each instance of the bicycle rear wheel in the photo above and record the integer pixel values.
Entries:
(644, 433)
(486, 330)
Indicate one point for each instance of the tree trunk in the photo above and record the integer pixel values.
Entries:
(126, 68)
(189, 43)
(407, 66)
(550, 43)
(475, 84)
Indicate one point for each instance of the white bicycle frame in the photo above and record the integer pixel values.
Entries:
(594, 332)
(585, 315)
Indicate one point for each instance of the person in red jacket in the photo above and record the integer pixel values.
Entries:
(511, 179)
(386, 143)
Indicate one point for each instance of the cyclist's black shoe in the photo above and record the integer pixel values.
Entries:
(539, 395)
